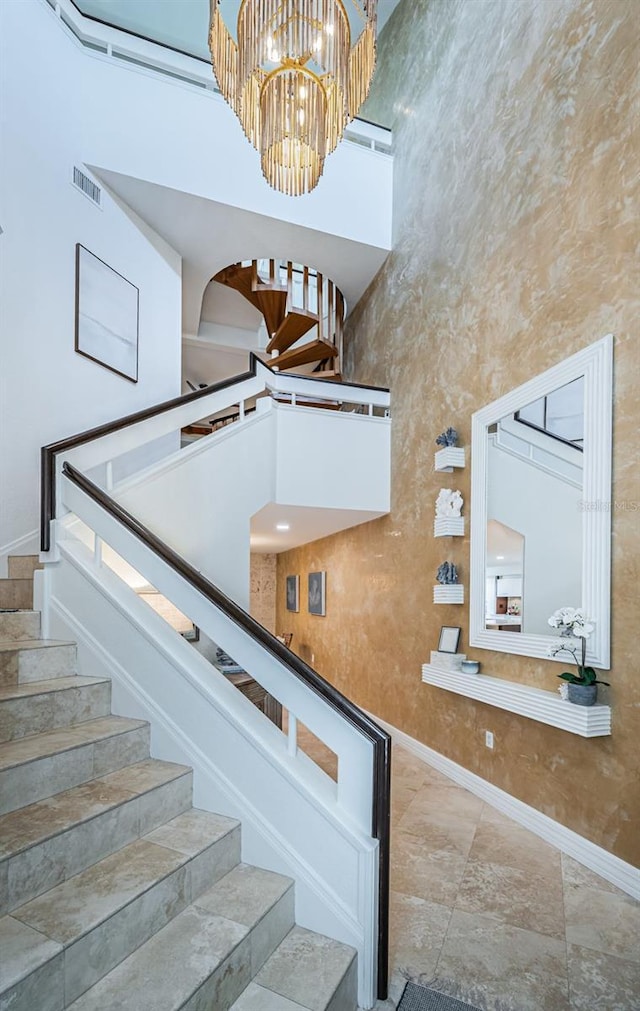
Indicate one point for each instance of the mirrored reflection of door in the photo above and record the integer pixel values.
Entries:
(504, 599)
(534, 494)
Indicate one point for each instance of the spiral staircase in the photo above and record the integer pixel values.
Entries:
(303, 313)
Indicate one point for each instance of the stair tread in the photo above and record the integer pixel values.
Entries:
(49, 686)
(294, 326)
(305, 968)
(23, 951)
(28, 749)
(316, 350)
(13, 645)
(198, 940)
(195, 941)
(29, 826)
(80, 904)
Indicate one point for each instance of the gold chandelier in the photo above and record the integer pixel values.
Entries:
(294, 79)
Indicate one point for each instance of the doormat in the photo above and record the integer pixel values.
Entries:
(419, 998)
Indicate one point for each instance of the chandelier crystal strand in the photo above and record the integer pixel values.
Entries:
(293, 79)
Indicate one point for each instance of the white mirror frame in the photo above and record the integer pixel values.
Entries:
(595, 363)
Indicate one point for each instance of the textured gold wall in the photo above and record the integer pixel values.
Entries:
(262, 600)
(516, 244)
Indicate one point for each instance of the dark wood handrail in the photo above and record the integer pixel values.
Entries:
(48, 453)
(379, 738)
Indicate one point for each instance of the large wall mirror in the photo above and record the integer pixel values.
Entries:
(541, 507)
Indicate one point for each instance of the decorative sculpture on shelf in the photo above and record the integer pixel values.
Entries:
(447, 438)
(447, 574)
(449, 504)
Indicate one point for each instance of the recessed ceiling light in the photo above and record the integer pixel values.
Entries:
(282, 526)
(500, 558)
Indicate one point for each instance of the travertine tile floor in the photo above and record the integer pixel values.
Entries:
(485, 911)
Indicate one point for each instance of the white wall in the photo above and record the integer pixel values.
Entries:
(202, 506)
(201, 501)
(47, 391)
(545, 509)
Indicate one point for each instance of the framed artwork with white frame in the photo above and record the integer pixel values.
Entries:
(106, 327)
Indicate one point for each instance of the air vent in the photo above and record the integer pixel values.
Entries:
(87, 186)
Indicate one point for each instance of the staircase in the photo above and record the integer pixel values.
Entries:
(114, 891)
(294, 300)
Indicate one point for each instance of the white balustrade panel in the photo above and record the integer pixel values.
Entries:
(295, 819)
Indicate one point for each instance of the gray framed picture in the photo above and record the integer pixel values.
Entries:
(449, 639)
(293, 593)
(317, 603)
(106, 315)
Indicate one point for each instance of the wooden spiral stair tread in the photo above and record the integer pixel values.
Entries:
(273, 306)
(287, 323)
(294, 326)
(314, 351)
(238, 277)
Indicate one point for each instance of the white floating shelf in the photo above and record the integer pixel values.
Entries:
(449, 457)
(535, 704)
(445, 527)
(448, 593)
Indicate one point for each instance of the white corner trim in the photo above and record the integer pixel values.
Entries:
(621, 874)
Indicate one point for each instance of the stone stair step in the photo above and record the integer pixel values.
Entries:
(17, 624)
(37, 767)
(39, 706)
(50, 841)
(100, 916)
(23, 566)
(217, 942)
(16, 593)
(25, 660)
(314, 972)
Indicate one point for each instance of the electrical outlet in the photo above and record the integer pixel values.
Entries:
(488, 738)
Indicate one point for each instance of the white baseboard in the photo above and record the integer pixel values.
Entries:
(624, 876)
(28, 544)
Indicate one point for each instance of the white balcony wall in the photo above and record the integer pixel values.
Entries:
(201, 500)
(332, 460)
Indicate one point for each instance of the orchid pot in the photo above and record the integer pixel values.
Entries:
(582, 687)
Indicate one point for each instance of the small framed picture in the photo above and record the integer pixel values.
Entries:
(293, 593)
(449, 639)
(317, 593)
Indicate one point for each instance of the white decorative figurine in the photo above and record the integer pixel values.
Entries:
(449, 504)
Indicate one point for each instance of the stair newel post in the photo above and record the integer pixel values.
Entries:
(241, 411)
